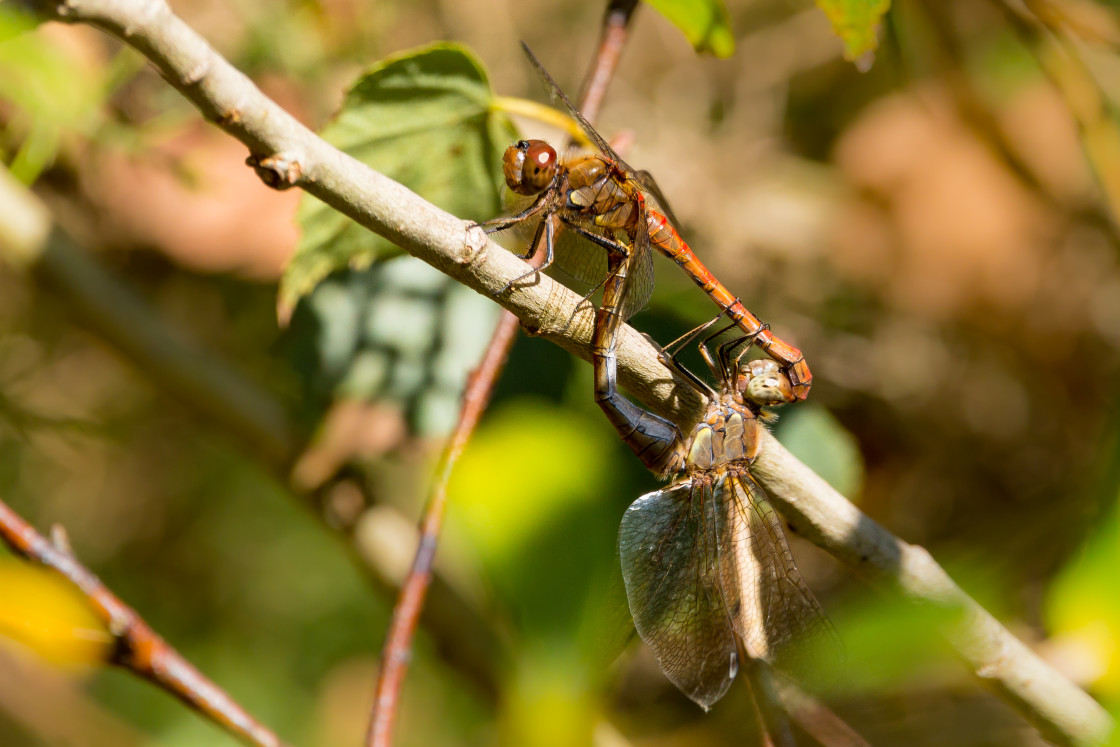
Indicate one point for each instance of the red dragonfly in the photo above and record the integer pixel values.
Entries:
(604, 200)
(705, 561)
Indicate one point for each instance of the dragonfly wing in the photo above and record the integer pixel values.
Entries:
(557, 94)
(582, 266)
(672, 585)
(649, 184)
(579, 264)
(639, 286)
(772, 608)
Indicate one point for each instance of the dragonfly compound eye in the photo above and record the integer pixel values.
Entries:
(763, 383)
(529, 166)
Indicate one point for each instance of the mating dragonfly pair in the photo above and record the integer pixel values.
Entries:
(705, 561)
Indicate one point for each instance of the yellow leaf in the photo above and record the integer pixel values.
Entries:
(47, 614)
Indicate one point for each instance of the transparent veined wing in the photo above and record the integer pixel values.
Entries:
(582, 266)
(578, 264)
(669, 565)
(771, 607)
(558, 94)
(639, 286)
(660, 202)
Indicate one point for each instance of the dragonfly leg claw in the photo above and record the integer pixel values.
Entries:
(516, 281)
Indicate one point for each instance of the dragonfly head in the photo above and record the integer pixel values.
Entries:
(529, 166)
(763, 383)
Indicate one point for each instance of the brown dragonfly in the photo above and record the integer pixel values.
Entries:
(705, 560)
(618, 209)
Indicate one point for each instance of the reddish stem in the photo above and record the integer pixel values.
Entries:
(396, 654)
(398, 645)
(138, 647)
(616, 27)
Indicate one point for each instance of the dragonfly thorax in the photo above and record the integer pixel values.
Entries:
(729, 433)
(596, 190)
(529, 166)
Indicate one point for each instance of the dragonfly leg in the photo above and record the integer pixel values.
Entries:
(501, 224)
(613, 246)
(674, 348)
(665, 238)
(585, 300)
(670, 355)
(655, 440)
(547, 230)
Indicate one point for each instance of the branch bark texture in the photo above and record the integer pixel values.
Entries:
(287, 154)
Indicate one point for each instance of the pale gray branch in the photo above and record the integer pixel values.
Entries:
(287, 154)
(1062, 711)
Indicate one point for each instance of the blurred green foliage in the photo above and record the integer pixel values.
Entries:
(703, 22)
(1082, 612)
(52, 98)
(536, 528)
(856, 22)
(815, 437)
(398, 332)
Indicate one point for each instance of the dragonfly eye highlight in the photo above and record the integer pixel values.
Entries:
(763, 383)
(529, 166)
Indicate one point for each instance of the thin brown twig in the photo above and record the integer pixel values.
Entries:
(773, 718)
(396, 654)
(814, 718)
(137, 647)
(398, 643)
(612, 39)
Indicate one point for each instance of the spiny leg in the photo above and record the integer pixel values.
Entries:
(496, 225)
(670, 243)
(547, 229)
(669, 356)
(613, 248)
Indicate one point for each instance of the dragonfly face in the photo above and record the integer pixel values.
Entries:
(763, 383)
(529, 166)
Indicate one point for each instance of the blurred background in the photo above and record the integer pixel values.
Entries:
(938, 234)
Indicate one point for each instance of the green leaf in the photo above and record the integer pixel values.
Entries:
(815, 437)
(423, 118)
(856, 22)
(703, 22)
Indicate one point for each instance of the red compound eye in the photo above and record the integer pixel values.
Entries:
(529, 166)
